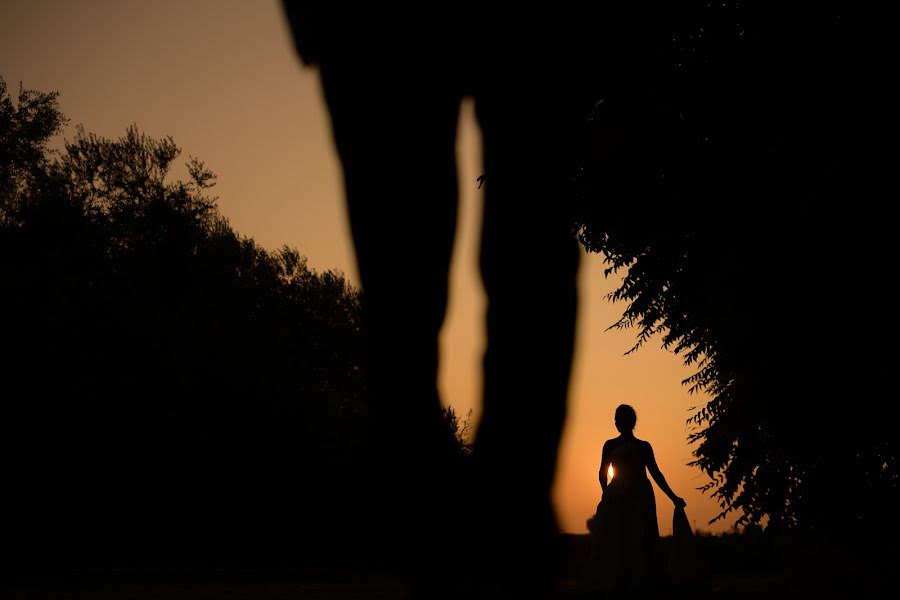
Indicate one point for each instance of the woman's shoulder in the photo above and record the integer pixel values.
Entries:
(634, 442)
(647, 449)
(644, 444)
(611, 444)
(629, 441)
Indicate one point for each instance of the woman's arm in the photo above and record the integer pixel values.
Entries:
(659, 479)
(604, 467)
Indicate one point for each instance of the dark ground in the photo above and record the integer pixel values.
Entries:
(332, 586)
(335, 587)
(746, 566)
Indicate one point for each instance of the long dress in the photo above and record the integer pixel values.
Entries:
(624, 533)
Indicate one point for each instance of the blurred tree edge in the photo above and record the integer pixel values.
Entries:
(172, 394)
(747, 195)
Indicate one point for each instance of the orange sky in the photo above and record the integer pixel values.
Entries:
(221, 78)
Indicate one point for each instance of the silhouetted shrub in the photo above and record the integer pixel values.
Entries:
(171, 392)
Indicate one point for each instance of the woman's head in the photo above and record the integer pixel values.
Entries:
(626, 418)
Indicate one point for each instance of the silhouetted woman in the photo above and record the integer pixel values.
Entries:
(624, 531)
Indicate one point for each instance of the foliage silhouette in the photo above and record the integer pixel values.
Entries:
(172, 392)
(747, 199)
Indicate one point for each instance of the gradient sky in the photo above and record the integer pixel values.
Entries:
(221, 78)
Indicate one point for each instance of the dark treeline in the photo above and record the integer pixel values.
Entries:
(747, 189)
(171, 393)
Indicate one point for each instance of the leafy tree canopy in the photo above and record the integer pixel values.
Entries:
(748, 202)
(170, 389)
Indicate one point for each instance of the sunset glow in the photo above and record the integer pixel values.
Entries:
(221, 77)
